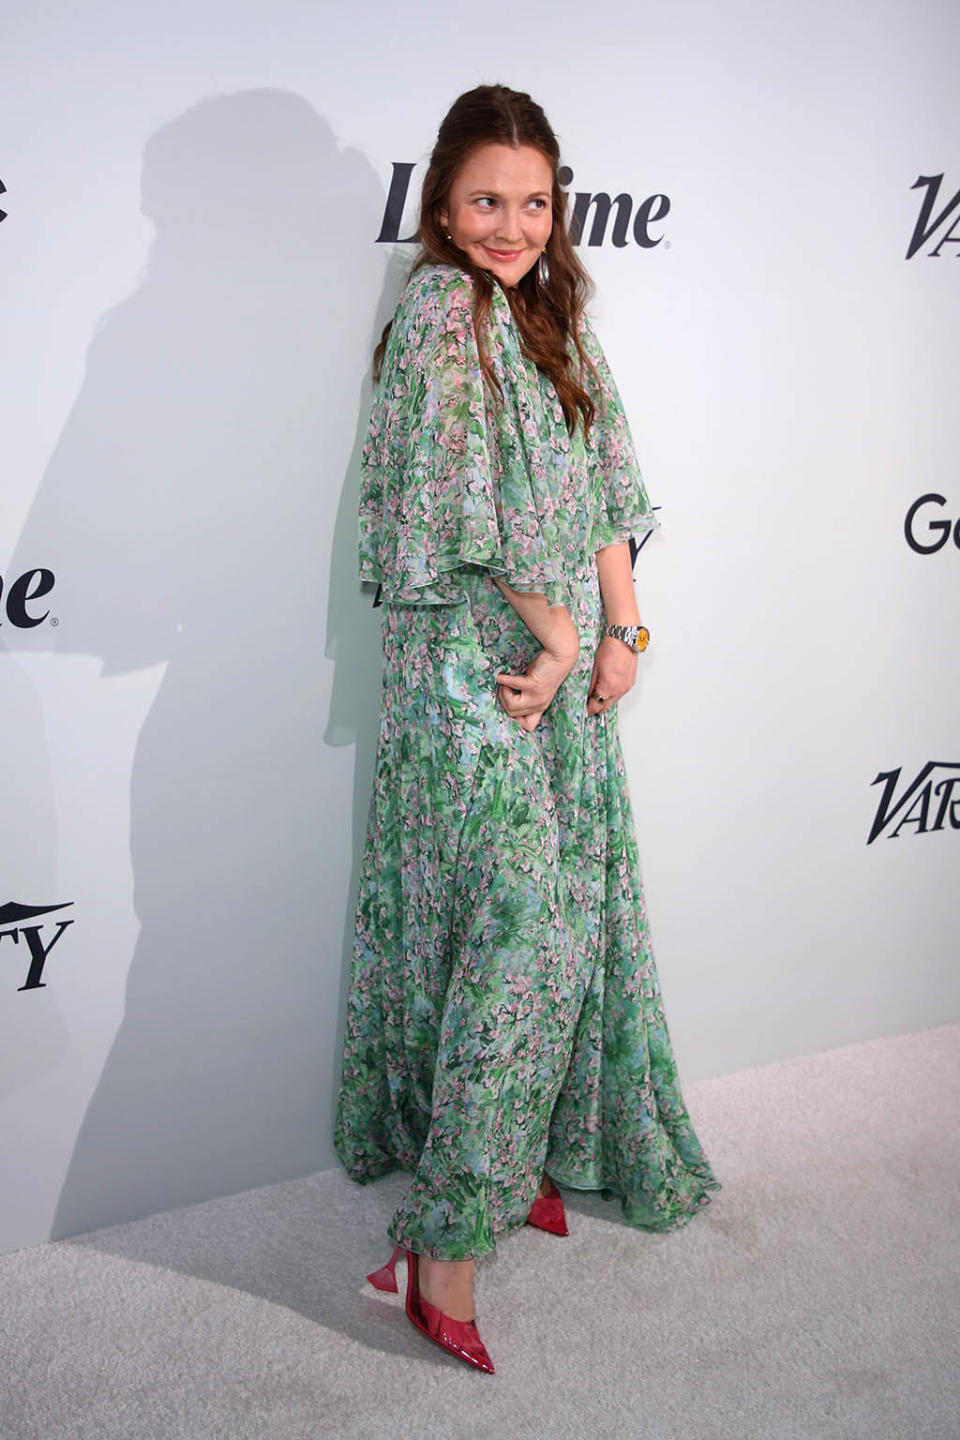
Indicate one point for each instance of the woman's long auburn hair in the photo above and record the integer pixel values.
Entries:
(547, 316)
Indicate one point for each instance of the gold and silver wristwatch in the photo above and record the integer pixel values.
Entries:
(636, 636)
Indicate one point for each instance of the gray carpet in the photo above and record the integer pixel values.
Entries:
(818, 1294)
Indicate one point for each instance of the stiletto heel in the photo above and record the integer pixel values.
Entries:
(547, 1212)
(459, 1337)
(386, 1277)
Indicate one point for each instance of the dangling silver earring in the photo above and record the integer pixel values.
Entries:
(449, 236)
(543, 269)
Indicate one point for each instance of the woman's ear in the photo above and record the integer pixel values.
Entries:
(443, 215)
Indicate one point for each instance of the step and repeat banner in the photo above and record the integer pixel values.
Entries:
(206, 217)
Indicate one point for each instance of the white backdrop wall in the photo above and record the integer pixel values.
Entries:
(192, 286)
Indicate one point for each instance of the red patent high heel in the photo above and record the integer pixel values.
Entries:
(547, 1212)
(460, 1337)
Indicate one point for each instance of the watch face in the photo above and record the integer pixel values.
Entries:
(643, 638)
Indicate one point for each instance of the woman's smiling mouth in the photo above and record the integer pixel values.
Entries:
(503, 254)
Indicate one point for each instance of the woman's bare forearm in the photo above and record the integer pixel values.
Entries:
(552, 625)
(616, 585)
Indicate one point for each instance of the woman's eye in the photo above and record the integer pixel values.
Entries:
(486, 200)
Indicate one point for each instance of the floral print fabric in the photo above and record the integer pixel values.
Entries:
(504, 1011)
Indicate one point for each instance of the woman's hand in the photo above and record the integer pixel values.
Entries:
(525, 697)
(614, 673)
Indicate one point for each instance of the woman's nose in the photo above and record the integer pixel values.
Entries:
(509, 227)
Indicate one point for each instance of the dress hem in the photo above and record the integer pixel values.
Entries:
(609, 1190)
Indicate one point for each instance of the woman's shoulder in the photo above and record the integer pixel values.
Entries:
(587, 331)
(434, 291)
(602, 379)
(433, 318)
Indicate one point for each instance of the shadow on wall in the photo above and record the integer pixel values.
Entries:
(193, 488)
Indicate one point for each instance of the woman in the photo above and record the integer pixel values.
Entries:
(505, 1027)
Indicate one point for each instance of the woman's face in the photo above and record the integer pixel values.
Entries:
(499, 210)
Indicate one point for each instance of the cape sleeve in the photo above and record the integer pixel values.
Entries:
(448, 480)
(621, 508)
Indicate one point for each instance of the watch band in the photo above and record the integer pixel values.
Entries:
(636, 636)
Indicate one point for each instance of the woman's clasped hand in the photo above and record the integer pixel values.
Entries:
(526, 697)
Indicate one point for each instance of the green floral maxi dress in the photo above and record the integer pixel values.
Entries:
(504, 1011)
